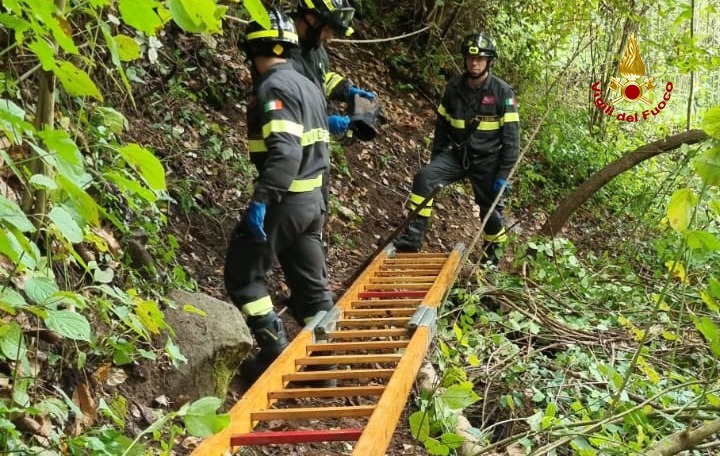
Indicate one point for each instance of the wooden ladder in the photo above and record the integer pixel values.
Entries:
(375, 338)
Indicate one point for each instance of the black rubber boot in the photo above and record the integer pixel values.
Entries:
(411, 240)
(490, 254)
(271, 337)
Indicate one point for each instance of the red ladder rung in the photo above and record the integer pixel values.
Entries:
(288, 437)
(392, 294)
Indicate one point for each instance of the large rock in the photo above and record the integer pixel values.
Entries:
(214, 345)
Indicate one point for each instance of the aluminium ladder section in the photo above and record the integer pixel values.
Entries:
(370, 326)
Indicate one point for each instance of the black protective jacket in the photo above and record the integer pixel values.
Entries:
(288, 137)
(313, 62)
(481, 124)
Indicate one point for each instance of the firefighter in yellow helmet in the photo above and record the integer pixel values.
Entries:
(288, 142)
(477, 136)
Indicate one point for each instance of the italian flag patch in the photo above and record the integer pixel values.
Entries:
(510, 102)
(272, 105)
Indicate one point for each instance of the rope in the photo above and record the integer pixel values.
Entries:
(378, 40)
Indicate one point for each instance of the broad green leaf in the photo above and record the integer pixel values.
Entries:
(112, 119)
(11, 213)
(12, 342)
(76, 81)
(41, 180)
(715, 206)
(709, 330)
(714, 287)
(201, 420)
(66, 224)
(190, 21)
(704, 241)
(680, 209)
(100, 3)
(141, 15)
(40, 289)
(436, 448)
(12, 121)
(127, 48)
(20, 26)
(66, 157)
(707, 165)
(452, 440)
(115, 57)
(131, 187)
(81, 201)
(258, 13)
(44, 52)
(150, 315)
(12, 298)
(420, 425)
(711, 122)
(19, 249)
(146, 164)
(549, 416)
(54, 407)
(709, 301)
(71, 325)
(457, 397)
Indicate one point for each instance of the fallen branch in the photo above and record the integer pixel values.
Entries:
(684, 440)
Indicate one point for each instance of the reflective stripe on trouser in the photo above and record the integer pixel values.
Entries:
(447, 168)
(258, 307)
(498, 238)
(293, 232)
(416, 201)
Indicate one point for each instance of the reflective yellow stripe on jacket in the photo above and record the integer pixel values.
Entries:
(416, 200)
(331, 81)
(483, 125)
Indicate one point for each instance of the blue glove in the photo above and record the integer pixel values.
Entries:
(498, 184)
(338, 125)
(255, 219)
(363, 93)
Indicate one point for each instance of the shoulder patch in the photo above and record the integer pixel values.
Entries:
(510, 102)
(488, 99)
(272, 105)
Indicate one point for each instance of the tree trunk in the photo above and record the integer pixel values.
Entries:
(684, 440)
(572, 202)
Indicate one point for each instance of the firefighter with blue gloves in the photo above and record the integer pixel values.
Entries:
(317, 22)
(288, 142)
(477, 135)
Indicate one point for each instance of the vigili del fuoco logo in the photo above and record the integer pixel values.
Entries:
(629, 88)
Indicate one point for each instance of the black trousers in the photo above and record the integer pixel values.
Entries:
(449, 167)
(294, 233)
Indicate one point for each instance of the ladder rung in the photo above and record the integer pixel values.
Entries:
(338, 391)
(348, 359)
(369, 322)
(357, 333)
(424, 268)
(392, 294)
(356, 346)
(385, 303)
(393, 312)
(404, 279)
(398, 287)
(312, 413)
(302, 436)
(403, 273)
(421, 255)
(344, 374)
(415, 261)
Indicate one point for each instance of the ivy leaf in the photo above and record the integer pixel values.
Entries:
(457, 397)
(146, 164)
(711, 122)
(127, 48)
(40, 289)
(709, 330)
(680, 209)
(258, 13)
(707, 165)
(12, 342)
(200, 418)
(66, 224)
(71, 325)
(141, 15)
(11, 213)
(704, 241)
(420, 425)
(76, 81)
